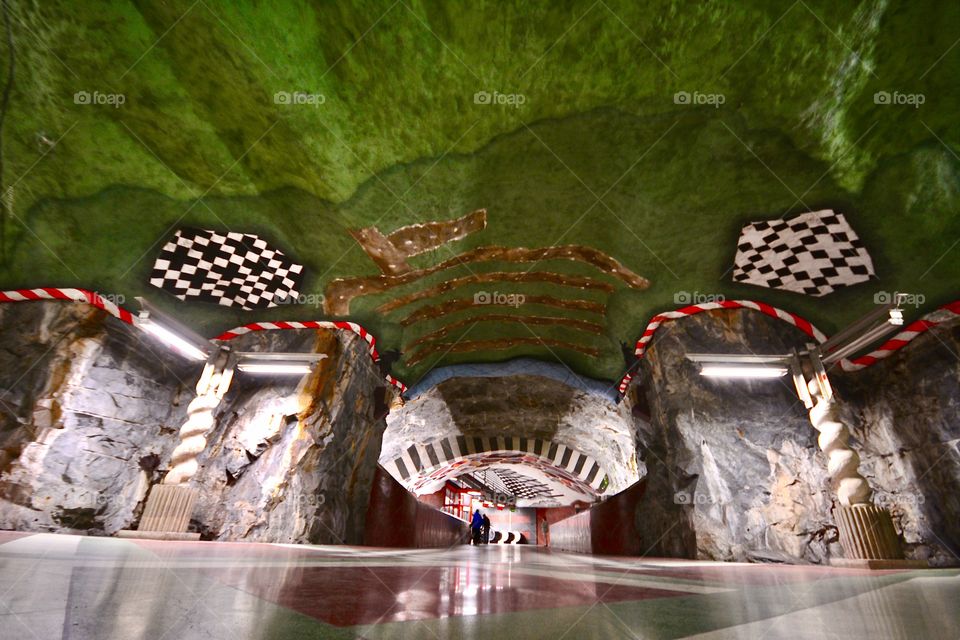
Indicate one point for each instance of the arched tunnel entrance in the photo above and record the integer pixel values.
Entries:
(526, 443)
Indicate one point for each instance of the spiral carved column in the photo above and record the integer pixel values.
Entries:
(866, 531)
(170, 504)
(211, 388)
(842, 461)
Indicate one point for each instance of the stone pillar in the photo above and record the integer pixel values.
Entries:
(170, 504)
(866, 531)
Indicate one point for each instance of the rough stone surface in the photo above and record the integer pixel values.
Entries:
(522, 406)
(87, 413)
(293, 461)
(734, 469)
(91, 410)
(905, 414)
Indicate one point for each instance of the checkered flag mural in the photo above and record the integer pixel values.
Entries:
(229, 269)
(522, 486)
(813, 253)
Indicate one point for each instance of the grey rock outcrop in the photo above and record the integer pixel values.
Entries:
(91, 410)
(88, 413)
(293, 461)
(734, 469)
(905, 413)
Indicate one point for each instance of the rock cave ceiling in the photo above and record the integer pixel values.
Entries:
(474, 183)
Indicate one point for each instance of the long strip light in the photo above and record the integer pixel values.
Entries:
(172, 333)
(733, 371)
(278, 363)
(865, 331)
(169, 338)
(274, 368)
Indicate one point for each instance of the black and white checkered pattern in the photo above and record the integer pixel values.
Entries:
(417, 462)
(522, 486)
(229, 269)
(813, 253)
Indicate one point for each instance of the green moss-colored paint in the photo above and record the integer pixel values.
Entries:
(399, 139)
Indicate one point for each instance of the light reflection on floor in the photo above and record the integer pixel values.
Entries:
(54, 586)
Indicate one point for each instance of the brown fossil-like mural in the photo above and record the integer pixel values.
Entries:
(574, 323)
(437, 315)
(460, 304)
(500, 344)
(341, 292)
(391, 252)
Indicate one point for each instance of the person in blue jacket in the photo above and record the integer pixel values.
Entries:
(475, 524)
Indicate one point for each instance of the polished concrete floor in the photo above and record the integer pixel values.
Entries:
(57, 586)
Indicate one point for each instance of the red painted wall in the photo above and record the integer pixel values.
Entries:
(396, 519)
(608, 528)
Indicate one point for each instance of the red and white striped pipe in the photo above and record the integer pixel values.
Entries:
(944, 313)
(94, 299)
(310, 324)
(911, 331)
(75, 295)
(315, 324)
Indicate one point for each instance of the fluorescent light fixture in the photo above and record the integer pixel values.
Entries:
(278, 363)
(740, 371)
(172, 340)
(735, 365)
(275, 368)
(172, 333)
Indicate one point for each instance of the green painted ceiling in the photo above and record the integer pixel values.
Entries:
(599, 154)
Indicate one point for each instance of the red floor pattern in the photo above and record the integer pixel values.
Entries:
(348, 596)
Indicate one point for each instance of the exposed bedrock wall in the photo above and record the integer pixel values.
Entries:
(396, 519)
(91, 410)
(905, 413)
(734, 469)
(293, 460)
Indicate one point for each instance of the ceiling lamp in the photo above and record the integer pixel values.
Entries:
(172, 333)
(865, 331)
(190, 344)
(735, 366)
(278, 363)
